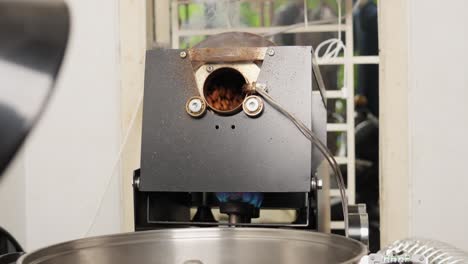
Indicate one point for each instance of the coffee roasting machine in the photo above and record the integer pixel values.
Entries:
(228, 128)
(232, 131)
(217, 150)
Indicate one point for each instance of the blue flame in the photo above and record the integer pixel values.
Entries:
(253, 198)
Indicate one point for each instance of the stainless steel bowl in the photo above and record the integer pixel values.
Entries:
(204, 246)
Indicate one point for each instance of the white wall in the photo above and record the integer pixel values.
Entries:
(136, 30)
(438, 120)
(67, 161)
(13, 199)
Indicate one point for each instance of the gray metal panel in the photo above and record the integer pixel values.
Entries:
(265, 154)
(319, 127)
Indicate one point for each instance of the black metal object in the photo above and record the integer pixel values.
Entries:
(204, 214)
(10, 248)
(266, 154)
(244, 211)
(8, 242)
(33, 38)
(154, 210)
(185, 161)
(10, 258)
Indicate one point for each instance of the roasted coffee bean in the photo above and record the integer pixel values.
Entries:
(224, 98)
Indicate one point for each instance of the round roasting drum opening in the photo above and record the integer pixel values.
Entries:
(224, 90)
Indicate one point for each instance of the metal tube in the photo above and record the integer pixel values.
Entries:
(234, 219)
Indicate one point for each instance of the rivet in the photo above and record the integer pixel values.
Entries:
(271, 52)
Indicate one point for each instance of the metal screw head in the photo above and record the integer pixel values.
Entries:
(183, 54)
(195, 106)
(271, 52)
(316, 184)
(252, 105)
(136, 183)
(209, 68)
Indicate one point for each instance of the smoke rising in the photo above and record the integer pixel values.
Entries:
(215, 14)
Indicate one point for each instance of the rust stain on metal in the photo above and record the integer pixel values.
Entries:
(220, 55)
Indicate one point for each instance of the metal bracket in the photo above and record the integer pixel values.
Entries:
(358, 228)
(168, 222)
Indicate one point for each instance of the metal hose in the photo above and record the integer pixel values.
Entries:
(435, 252)
(261, 89)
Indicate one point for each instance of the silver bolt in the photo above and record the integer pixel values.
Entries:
(136, 183)
(195, 105)
(271, 52)
(252, 105)
(316, 184)
(209, 68)
(183, 54)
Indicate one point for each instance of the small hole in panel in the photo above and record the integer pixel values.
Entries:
(217, 127)
(233, 126)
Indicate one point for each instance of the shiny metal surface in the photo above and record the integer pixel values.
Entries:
(359, 227)
(205, 245)
(358, 223)
(431, 251)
